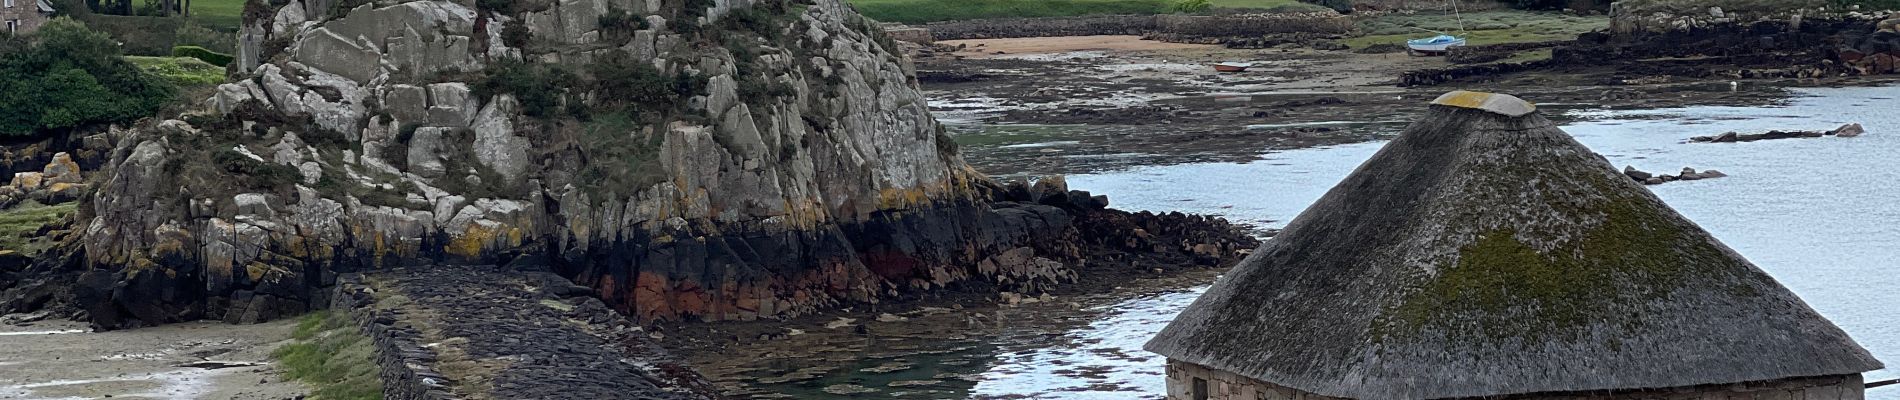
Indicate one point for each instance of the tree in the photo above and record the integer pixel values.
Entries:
(67, 76)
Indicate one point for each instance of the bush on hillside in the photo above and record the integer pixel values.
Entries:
(203, 54)
(539, 88)
(67, 76)
(1192, 6)
(1344, 6)
(192, 34)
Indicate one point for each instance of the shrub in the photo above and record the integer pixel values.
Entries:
(67, 76)
(1191, 6)
(505, 7)
(256, 174)
(516, 35)
(620, 79)
(538, 87)
(180, 71)
(1344, 6)
(620, 24)
(203, 54)
(192, 34)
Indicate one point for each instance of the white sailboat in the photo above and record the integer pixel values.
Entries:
(1438, 45)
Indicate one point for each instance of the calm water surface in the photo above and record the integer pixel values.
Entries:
(1822, 215)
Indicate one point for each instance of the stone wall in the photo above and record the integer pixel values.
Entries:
(1639, 19)
(1426, 5)
(906, 33)
(1223, 385)
(1253, 24)
(1042, 27)
(569, 344)
(1178, 26)
(408, 368)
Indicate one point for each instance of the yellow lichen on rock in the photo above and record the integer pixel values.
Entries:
(1502, 104)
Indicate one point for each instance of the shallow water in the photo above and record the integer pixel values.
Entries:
(1818, 214)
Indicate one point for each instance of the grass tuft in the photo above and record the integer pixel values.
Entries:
(18, 224)
(333, 357)
(180, 71)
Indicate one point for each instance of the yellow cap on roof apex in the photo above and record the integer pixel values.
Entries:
(1502, 104)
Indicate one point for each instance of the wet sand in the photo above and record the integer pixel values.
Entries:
(197, 360)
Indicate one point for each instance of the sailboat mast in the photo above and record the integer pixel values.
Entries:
(1459, 15)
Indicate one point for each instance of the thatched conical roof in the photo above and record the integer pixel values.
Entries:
(1484, 252)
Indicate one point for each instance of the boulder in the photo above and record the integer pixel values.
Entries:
(62, 169)
(1051, 190)
(496, 144)
(1849, 130)
(1633, 173)
(408, 104)
(427, 151)
(451, 105)
(27, 181)
(1727, 137)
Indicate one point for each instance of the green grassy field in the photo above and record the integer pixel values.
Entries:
(918, 11)
(223, 15)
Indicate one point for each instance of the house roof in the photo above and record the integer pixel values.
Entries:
(1485, 252)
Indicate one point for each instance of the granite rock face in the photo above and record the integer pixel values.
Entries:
(697, 159)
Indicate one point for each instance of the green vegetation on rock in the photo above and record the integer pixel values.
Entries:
(67, 76)
(621, 158)
(203, 54)
(919, 11)
(180, 71)
(223, 15)
(18, 224)
(1635, 255)
(538, 87)
(333, 357)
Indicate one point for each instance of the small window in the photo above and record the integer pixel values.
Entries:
(9, 5)
(1200, 389)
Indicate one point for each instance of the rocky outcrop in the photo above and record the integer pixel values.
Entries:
(1744, 41)
(59, 182)
(1688, 174)
(1849, 130)
(696, 159)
